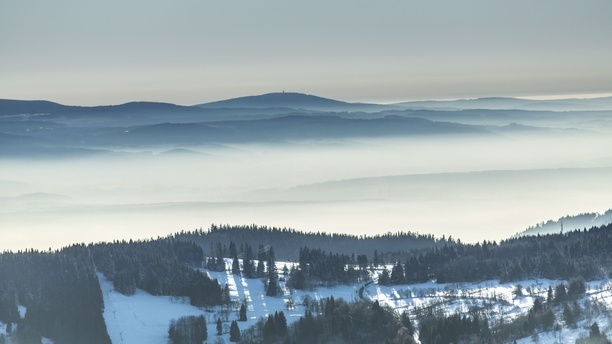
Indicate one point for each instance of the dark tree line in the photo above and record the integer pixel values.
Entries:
(188, 330)
(266, 264)
(339, 322)
(253, 262)
(289, 241)
(161, 267)
(555, 256)
(61, 292)
(316, 266)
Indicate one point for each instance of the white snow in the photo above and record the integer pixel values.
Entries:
(22, 311)
(143, 318)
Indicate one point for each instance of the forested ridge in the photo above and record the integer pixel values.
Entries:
(287, 242)
(61, 292)
(337, 322)
(583, 253)
(160, 267)
(60, 288)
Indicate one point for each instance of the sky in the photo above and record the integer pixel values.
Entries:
(193, 51)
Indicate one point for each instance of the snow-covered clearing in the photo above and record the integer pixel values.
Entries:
(143, 318)
(498, 301)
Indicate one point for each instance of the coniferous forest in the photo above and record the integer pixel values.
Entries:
(160, 267)
(61, 292)
(287, 242)
(59, 289)
(583, 253)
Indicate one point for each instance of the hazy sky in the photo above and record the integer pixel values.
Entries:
(192, 51)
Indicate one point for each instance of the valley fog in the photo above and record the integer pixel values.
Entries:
(470, 187)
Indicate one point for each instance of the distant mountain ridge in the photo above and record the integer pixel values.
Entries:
(293, 100)
(508, 103)
(280, 103)
(10, 107)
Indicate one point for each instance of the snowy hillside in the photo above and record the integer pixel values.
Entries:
(143, 318)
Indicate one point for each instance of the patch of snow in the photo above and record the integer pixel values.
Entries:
(22, 311)
(141, 318)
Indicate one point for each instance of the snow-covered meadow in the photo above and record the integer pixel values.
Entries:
(144, 318)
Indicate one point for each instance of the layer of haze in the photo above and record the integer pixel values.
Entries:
(188, 52)
(364, 186)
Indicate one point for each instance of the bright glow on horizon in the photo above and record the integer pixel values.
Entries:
(530, 97)
(569, 96)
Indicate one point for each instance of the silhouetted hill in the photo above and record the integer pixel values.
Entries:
(569, 223)
(452, 185)
(133, 113)
(286, 128)
(29, 107)
(298, 101)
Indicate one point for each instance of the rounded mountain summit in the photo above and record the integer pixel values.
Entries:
(291, 100)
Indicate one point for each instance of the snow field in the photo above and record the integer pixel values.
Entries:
(143, 318)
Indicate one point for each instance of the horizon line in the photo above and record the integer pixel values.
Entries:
(366, 101)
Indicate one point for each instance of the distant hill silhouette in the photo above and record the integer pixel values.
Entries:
(10, 107)
(29, 107)
(505, 103)
(22, 137)
(287, 128)
(298, 101)
(569, 223)
(128, 114)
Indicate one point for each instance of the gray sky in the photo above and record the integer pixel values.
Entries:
(192, 51)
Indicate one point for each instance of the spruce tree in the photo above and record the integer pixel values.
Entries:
(235, 266)
(281, 323)
(397, 274)
(384, 278)
(219, 327)
(234, 332)
(272, 289)
(201, 328)
(248, 268)
(243, 311)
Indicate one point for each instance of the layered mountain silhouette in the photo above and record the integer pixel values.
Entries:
(48, 128)
(297, 101)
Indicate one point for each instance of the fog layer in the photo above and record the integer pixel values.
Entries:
(358, 186)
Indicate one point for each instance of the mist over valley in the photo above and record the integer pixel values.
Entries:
(141, 170)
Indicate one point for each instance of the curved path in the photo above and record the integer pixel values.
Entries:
(362, 289)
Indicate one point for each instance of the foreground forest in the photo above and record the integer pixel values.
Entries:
(44, 294)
